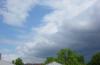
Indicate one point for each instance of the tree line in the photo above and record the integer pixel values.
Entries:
(67, 57)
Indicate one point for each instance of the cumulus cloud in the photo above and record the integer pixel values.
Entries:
(72, 24)
(9, 57)
(69, 6)
(9, 41)
(15, 12)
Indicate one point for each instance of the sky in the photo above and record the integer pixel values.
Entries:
(36, 29)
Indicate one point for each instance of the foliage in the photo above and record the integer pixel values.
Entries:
(95, 59)
(18, 61)
(49, 60)
(67, 57)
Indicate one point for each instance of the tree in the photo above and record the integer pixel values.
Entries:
(13, 62)
(95, 59)
(49, 59)
(62, 56)
(69, 57)
(18, 61)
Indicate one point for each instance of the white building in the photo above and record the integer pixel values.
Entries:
(2, 62)
(54, 63)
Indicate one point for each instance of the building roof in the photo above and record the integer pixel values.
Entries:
(5, 63)
(33, 64)
(54, 63)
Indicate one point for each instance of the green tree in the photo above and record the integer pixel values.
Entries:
(49, 59)
(95, 59)
(18, 61)
(69, 57)
(13, 62)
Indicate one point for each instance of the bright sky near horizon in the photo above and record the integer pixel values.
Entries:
(36, 29)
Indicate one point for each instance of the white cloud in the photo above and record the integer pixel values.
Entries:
(9, 57)
(15, 12)
(69, 6)
(49, 28)
(61, 28)
(9, 41)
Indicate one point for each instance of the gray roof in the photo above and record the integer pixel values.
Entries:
(54, 63)
(5, 63)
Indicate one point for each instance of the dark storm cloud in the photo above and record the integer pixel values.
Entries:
(81, 33)
(86, 41)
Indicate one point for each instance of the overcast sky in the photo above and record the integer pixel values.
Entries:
(36, 29)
